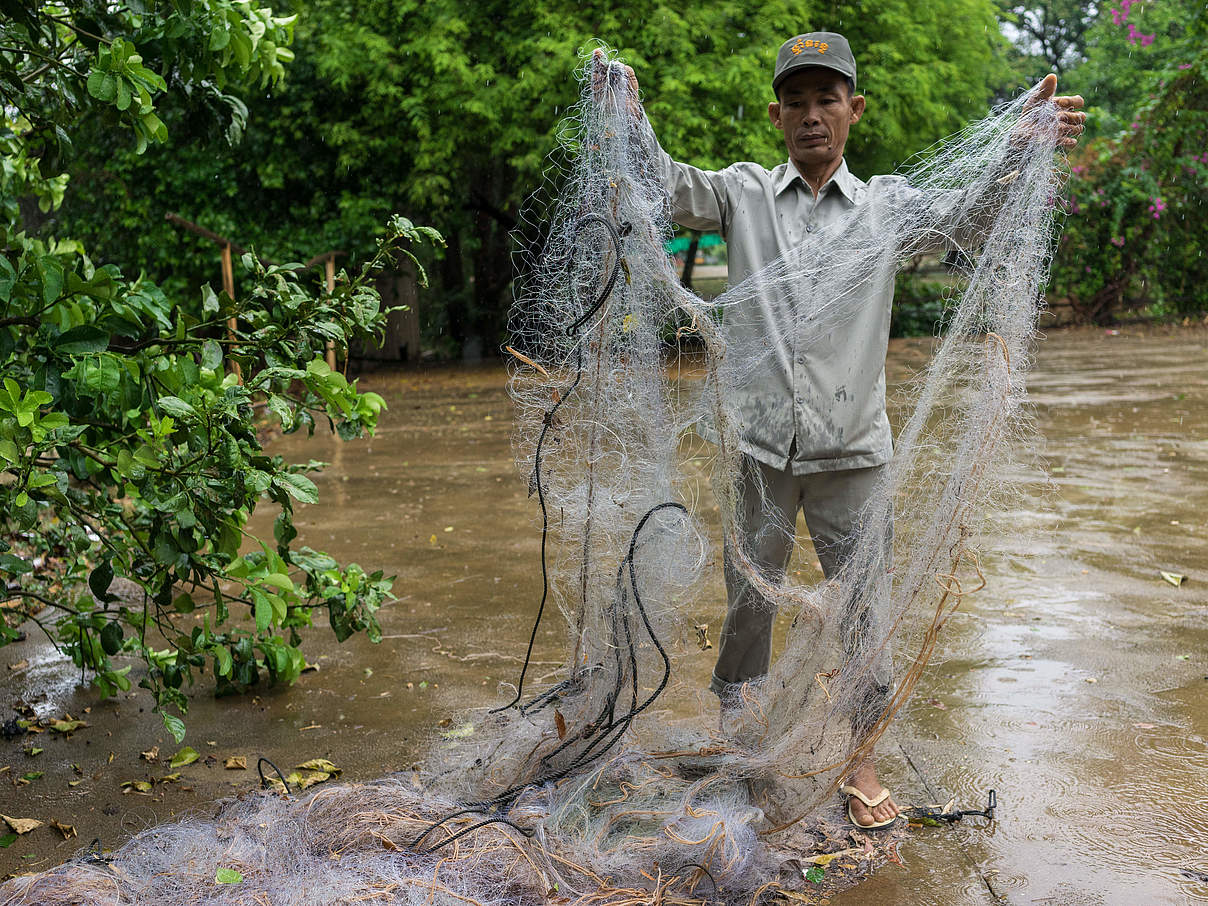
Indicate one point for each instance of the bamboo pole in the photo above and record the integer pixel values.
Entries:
(228, 287)
(330, 265)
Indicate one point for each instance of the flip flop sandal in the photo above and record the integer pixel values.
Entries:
(871, 803)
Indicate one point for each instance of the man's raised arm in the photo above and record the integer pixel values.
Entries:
(699, 199)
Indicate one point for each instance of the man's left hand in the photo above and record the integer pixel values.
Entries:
(1070, 119)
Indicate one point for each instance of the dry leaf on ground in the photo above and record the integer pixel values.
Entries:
(21, 825)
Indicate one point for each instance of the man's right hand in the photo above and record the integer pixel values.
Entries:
(606, 77)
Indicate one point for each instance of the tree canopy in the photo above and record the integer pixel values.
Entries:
(448, 110)
(129, 441)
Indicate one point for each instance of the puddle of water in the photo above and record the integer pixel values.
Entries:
(1101, 784)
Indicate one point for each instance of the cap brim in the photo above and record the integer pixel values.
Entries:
(811, 64)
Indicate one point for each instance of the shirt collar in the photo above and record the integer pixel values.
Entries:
(842, 178)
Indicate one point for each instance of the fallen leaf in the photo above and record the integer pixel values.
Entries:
(170, 778)
(828, 858)
(302, 781)
(20, 665)
(136, 786)
(1091, 679)
(34, 750)
(319, 764)
(67, 726)
(152, 754)
(560, 724)
(21, 825)
(702, 636)
(74, 782)
(67, 830)
(1175, 579)
(187, 755)
(227, 876)
(236, 763)
(7, 840)
(29, 776)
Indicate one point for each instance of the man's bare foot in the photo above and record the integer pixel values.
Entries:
(864, 778)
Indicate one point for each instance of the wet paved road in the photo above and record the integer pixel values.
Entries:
(1076, 684)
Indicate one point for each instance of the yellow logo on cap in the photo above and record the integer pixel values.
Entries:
(802, 44)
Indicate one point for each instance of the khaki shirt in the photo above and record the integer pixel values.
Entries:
(825, 391)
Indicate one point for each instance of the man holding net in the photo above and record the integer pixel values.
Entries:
(795, 457)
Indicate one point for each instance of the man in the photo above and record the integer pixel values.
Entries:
(815, 433)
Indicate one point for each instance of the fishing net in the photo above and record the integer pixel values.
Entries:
(584, 789)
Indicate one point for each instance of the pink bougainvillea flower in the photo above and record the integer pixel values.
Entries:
(1146, 40)
(1185, 65)
(1118, 241)
(1157, 208)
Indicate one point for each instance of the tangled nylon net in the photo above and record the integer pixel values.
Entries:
(581, 791)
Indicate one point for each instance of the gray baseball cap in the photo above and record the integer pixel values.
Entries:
(818, 48)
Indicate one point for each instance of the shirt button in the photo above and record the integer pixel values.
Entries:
(809, 227)
(800, 360)
(800, 399)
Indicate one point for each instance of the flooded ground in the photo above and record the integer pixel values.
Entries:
(1075, 684)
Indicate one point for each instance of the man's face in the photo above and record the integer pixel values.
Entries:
(815, 112)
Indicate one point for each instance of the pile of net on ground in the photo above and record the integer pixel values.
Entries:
(583, 790)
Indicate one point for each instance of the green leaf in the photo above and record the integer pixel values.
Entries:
(175, 406)
(175, 726)
(227, 876)
(112, 637)
(223, 662)
(263, 609)
(52, 279)
(86, 338)
(7, 840)
(8, 451)
(186, 755)
(211, 355)
(297, 486)
(815, 874)
(279, 580)
(100, 579)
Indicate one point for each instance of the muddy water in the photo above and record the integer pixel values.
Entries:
(1075, 685)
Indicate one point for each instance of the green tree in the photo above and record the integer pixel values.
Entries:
(126, 450)
(1050, 35)
(1135, 237)
(449, 109)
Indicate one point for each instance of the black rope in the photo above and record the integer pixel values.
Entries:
(96, 855)
(549, 419)
(264, 780)
(607, 729)
(708, 874)
(474, 827)
(434, 825)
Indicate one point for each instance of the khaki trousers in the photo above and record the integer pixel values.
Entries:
(832, 503)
